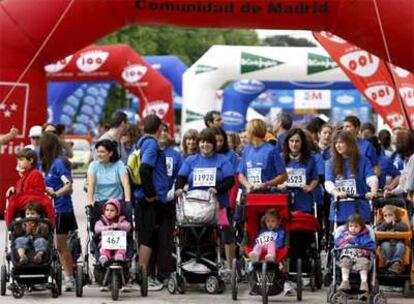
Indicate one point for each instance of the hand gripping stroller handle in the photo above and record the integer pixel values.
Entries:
(88, 210)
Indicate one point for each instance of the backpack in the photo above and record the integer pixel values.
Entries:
(134, 165)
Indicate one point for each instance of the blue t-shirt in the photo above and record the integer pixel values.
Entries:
(57, 176)
(233, 158)
(346, 208)
(397, 161)
(320, 166)
(281, 141)
(261, 164)
(107, 179)
(368, 150)
(303, 201)
(151, 155)
(207, 172)
(326, 153)
(387, 170)
(174, 161)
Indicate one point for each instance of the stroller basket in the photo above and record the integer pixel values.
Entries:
(197, 207)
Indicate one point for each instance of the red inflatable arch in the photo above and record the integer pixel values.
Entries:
(36, 33)
(120, 63)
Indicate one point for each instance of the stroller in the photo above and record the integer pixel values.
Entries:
(334, 295)
(197, 244)
(385, 277)
(24, 277)
(114, 274)
(265, 278)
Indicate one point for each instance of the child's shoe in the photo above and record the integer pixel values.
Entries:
(395, 268)
(38, 258)
(103, 259)
(269, 258)
(345, 285)
(119, 257)
(23, 259)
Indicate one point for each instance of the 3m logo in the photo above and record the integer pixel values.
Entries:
(192, 116)
(332, 37)
(360, 63)
(381, 94)
(319, 63)
(407, 93)
(252, 63)
(134, 73)
(91, 61)
(59, 65)
(202, 68)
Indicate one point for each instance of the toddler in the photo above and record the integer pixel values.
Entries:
(355, 236)
(392, 249)
(270, 237)
(110, 220)
(32, 229)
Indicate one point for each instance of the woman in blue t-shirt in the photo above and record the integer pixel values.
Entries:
(58, 179)
(108, 178)
(261, 166)
(301, 169)
(349, 173)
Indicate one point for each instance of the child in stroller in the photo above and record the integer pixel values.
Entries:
(29, 230)
(356, 246)
(392, 249)
(270, 238)
(111, 220)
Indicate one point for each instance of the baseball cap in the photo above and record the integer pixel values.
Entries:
(35, 131)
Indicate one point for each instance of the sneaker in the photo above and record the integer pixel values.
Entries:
(154, 284)
(103, 259)
(23, 259)
(345, 285)
(364, 287)
(119, 257)
(69, 284)
(288, 289)
(306, 282)
(395, 268)
(38, 258)
(269, 258)
(103, 289)
(254, 257)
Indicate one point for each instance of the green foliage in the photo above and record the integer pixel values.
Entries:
(187, 43)
(285, 40)
(116, 100)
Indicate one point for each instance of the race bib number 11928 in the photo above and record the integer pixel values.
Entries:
(204, 177)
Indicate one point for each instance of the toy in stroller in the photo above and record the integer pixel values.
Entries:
(197, 243)
(23, 277)
(265, 277)
(114, 273)
(372, 292)
(405, 276)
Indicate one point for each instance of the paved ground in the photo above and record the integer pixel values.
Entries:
(92, 295)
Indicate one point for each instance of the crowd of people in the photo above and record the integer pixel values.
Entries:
(317, 162)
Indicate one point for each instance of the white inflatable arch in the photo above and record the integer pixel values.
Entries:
(221, 64)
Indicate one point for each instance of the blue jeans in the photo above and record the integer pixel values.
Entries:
(39, 244)
(392, 252)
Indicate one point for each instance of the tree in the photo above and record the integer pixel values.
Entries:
(285, 40)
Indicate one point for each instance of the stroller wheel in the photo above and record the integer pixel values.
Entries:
(212, 285)
(59, 278)
(79, 281)
(18, 292)
(55, 291)
(222, 286)
(379, 298)
(406, 289)
(312, 284)
(3, 280)
(234, 280)
(115, 285)
(180, 284)
(330, 294)
(172, 284)
(264, 288)
(327, 279)
(299, 279)
(338, 298)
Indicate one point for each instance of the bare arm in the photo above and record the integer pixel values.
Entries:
(91, 189)
(126, 186)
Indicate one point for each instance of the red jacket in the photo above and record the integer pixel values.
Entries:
(30, 188)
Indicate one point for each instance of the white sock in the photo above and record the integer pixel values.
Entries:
(364, 275)
(345, 274)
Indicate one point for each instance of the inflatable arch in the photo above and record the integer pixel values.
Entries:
(239, 95)
(226, 63)
(121, 63)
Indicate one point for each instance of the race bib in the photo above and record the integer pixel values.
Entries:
(204, 177)
(296, 177)
(352, 253)
(254, 176)
(266, 237)
(170, 165)
(114, 239)
(346, 185)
